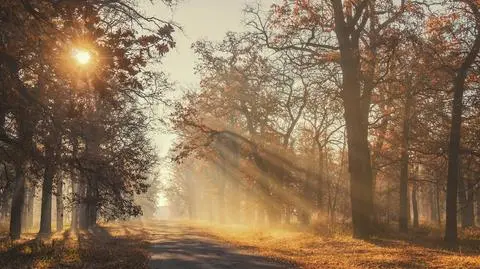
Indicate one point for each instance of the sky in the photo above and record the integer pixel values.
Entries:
(199, 19)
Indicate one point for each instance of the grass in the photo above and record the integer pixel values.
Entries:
(335, 249)
(100, 248)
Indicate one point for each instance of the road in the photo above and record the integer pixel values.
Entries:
(176, 246)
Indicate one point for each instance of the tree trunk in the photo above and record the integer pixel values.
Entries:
(319, 180)
(82, 207)
(468, 213)
(454, 164)
(59, 204)
(31, 200)
(25, 207)
(438, 204)
(375, 159)
(46, 209)
(192, 194)
(415, 205)
(27, 219)
(455, 135)
(477, 199)
(275, 202)
(432, 203)
(388, 197)
(403, 214)
(233, 162)
(356, 106)
(74, 220)
(361, 192)
(261, 187)
(304, 213)
(18, 200)
(404, 161)
(462, 200)
(91, 202)
(221, 196)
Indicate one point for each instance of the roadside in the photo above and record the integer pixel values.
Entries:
(161, 245)
(311, 250)
(94, 249)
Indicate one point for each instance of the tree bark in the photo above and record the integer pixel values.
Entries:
(305, 213)
(356, 109)
(235, 186)
(46, 209)
(18, 200)
(192, 194)
(221, 195)
(27, 215)
(375, 159)
(30, 204)
(477, 199)
(468, 219)
(462, 200)
(438, 204)
(388, 197)
(25, 207)
(432, 203)
(74, 182)
(403, 214)
(455, 132)
(361, 191)
(264, 188)
(59, 204)
(74, 220)
(404, 162)
(319, 183)
(18, 197)
(415, 204)
(82, 207)
(91, 202)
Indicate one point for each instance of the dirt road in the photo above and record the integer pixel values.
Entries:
(177, 246)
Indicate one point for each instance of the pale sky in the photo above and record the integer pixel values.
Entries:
(200, 19)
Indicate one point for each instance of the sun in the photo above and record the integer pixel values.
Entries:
(82, 56)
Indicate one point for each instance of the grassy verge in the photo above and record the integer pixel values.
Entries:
(334, 250)
(101, 248)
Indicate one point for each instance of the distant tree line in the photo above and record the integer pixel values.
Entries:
(357, 111)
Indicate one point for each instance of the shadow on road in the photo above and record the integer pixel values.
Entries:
(176, 246)
(198, 253)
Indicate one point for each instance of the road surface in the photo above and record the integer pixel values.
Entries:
(176, 246)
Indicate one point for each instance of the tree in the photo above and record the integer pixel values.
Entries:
(333, 32)
(472, 12)
(46, 104)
